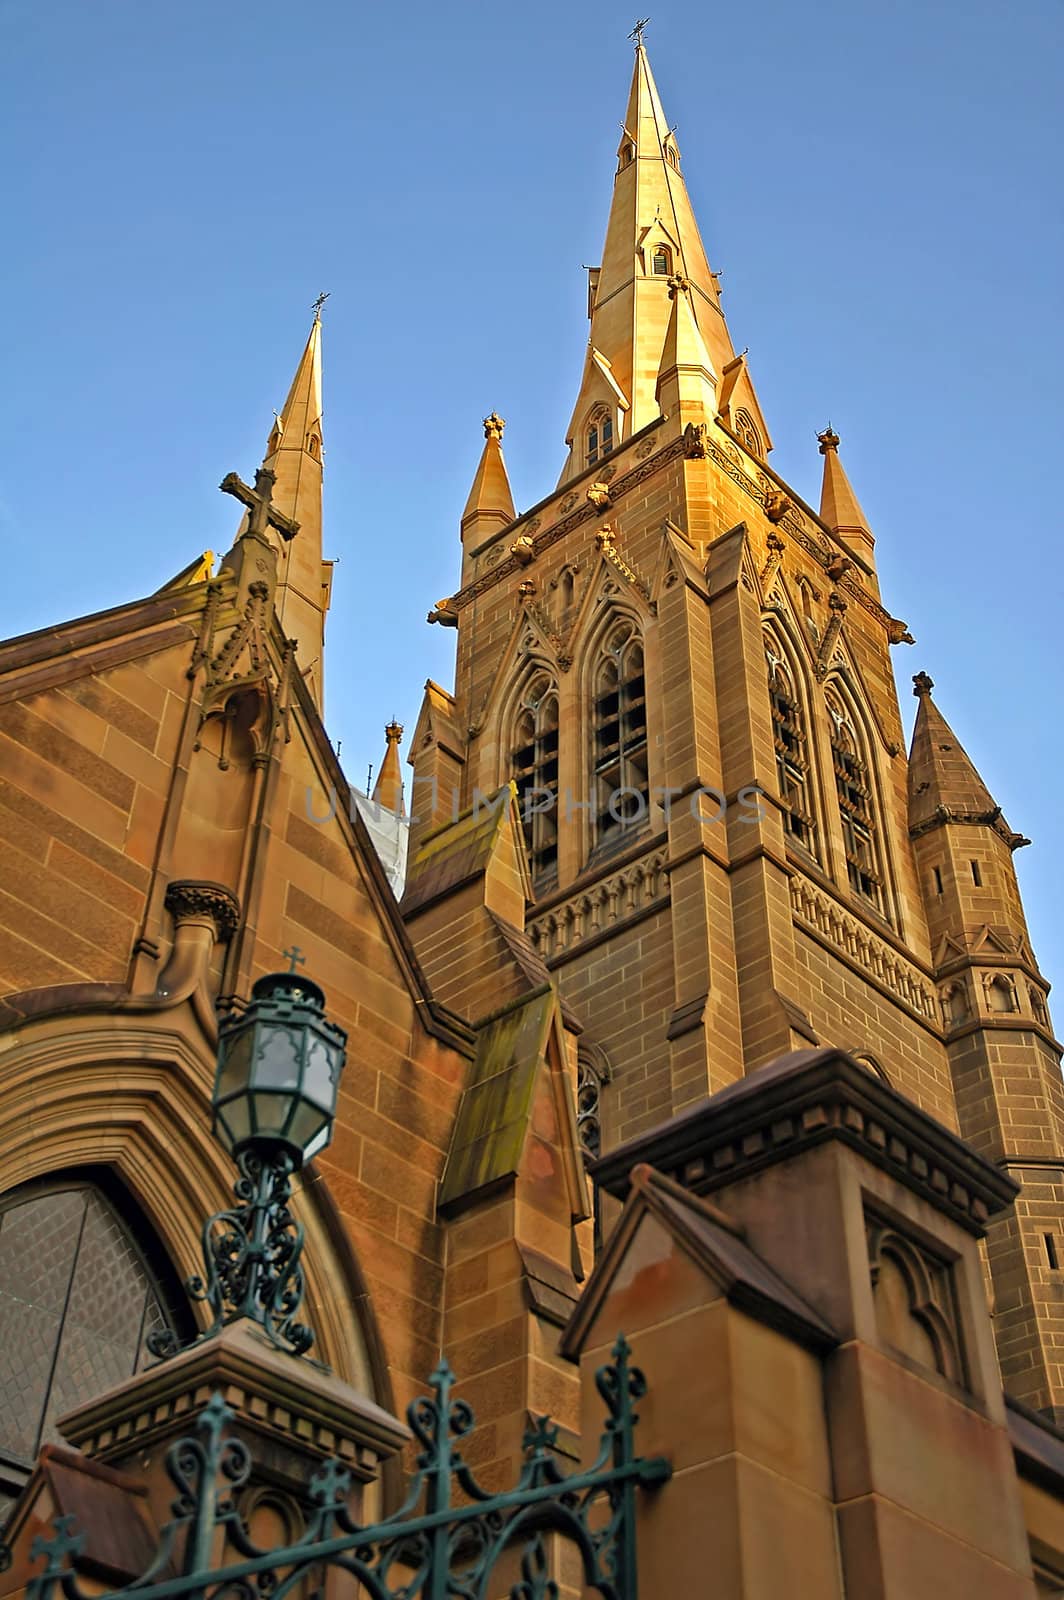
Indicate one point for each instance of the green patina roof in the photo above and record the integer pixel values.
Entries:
(489, 1133)
(458, 851)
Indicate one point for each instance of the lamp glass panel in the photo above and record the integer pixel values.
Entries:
(277, 1058)
(307, 1122)
(236, 1064)
(272, 1113)
(320, 1079)
(234, 1117)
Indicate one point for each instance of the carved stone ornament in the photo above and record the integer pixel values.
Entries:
(898, 633)
(445, 613)
(522, 550)
(568, 503)
(526, 589)
(644, 449)
(190, 900)
(696, 441)
(599, 495)
(242, 681)
(493, 426)
(777, 504)
(914, 1298)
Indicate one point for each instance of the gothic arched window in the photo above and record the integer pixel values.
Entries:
(78, 1299)
(534, 765)
(619, 711)
(747, 433)
(792, 750)
(661, 262)
(853, 786)
(599, 435)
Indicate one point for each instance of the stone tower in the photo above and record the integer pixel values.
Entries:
(686, 671)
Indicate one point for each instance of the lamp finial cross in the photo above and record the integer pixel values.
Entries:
(259, 501)
(637, 32)
(294, 957)
(319, 302)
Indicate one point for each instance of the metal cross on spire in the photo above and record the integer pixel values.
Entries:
(637, 32)
(319, 302)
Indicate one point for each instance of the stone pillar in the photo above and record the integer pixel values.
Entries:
(837, 1191)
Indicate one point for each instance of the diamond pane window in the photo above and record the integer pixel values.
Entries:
(854, 790)
(77, 1301)
(789, 741)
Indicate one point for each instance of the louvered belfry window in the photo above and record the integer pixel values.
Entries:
(535, 769)
(622, 795)
(852, 785)
(792, 762)
(77, 1303)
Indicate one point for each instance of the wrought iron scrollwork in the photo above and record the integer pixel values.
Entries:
(251, 1258)
(438, 1546)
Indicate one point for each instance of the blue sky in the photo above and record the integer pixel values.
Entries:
(878, 184)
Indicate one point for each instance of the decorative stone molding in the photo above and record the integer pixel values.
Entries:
(809, 1098)
(817, 911)
(637, 887)
(927, 1331)
(189, 900)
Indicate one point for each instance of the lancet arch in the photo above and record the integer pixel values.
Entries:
(859, 797)
(793, 736)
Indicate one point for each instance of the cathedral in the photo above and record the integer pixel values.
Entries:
(678, 1001)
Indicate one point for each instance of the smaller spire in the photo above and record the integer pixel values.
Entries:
(490, 505)
(686, 381)
(388, 789)
(944, 785)
(839, 508)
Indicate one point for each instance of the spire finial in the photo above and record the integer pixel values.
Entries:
(922, 685)
(319, 302)
(493, 426)
(394, 731)
(829, 440)
(638, 30)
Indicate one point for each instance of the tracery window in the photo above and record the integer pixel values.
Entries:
(619, 711)
(534, 765)
(747, 433)
(791, 746)
(599, 435)
(856, 811)
(78, 1300)
(661, 262)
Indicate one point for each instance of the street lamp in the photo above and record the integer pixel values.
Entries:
(274, 1103)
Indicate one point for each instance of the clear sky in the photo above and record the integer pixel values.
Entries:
(879, 185)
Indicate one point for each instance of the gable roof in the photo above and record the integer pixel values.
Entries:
(716, 1244)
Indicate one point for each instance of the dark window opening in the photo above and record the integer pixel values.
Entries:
(599, 437)
(792, 767)
(977, 876)
(937, 871)
(661, 262)
(621, 777)
(1051, 1252)
(855, 810)
(534, 765)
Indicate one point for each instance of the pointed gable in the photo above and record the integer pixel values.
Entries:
(665, 1240)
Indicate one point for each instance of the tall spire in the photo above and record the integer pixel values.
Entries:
(294, 454)
(651, 235)
(838, 503)
(388, 789)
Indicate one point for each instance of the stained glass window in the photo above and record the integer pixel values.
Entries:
(77, 1302)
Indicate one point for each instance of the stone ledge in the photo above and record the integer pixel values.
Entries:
(804, 1099)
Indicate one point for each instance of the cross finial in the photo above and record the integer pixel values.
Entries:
(294, 957)
(637, 32)
(319, 302)
(259, 501)
(829, 440)
(922, 685)
(493, 426)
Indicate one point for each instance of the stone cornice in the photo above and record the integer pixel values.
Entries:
(804, 1099)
